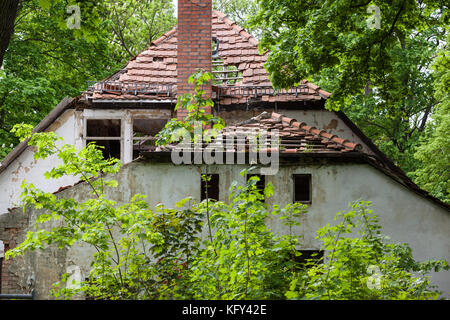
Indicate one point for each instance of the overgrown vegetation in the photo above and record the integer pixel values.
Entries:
(363, 264)
(197, 118)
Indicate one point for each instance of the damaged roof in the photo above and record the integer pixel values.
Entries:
(294, 136)
(152, 74)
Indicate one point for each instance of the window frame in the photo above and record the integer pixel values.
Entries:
(143, 138)
(262, 177)
(121, 138)
(309, 175)
(126, 116)
(201, 186)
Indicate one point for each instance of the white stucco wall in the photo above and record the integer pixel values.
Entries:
(25, 167)
(404, 215)
(70, 127)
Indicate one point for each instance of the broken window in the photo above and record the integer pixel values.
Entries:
(302, 188)
(144, 132)
(106, 133)
(225, 74)
(210, 187)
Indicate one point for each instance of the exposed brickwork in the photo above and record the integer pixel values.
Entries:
(12, 226)
(194, 44)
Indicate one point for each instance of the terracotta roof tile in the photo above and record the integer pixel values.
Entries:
(237, 48)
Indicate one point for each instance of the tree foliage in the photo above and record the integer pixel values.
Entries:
(308, 37)
(144, 253)
(362, 264)
(379, 75)
(46, 60)
(240, 11)
(209, 249)
(196, 105)
(434, 151)
(135, 24)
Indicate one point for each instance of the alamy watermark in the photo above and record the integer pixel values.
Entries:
(374, 21)
(74, 20)
(374, 280)
(260, 147)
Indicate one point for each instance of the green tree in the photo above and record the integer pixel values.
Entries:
(144, 253)
(240, 11)
(160, 253)
(380, 75)
(46, 60)
(242, 258)
(307, 37)
(396, 121)
(196, 105)
(363, 265)
(134, 24)
(434, 151)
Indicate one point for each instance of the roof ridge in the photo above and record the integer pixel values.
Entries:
(320, 91)
(317, 132)
(165, 36)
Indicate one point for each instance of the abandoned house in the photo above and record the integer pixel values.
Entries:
(325, 160)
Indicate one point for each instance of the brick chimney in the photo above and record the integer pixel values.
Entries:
(193, 44)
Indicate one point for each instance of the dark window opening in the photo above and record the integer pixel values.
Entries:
(210, 187)
(106, 133)
(302, 188)
(260, 185)
(144, 132)
(111, 148)
(308, 258)
(103, 128)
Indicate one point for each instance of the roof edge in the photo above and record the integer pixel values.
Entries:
(62, 106)
(387, 162)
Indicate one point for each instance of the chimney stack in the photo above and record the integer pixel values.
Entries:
(193, 44)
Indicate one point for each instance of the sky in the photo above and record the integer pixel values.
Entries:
(175, 3)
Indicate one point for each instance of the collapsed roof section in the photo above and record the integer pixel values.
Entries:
(294, 137)
(238, 67)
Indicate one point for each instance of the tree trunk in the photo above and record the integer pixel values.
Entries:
(8, 13)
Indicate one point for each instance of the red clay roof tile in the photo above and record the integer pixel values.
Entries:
(236, 47)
